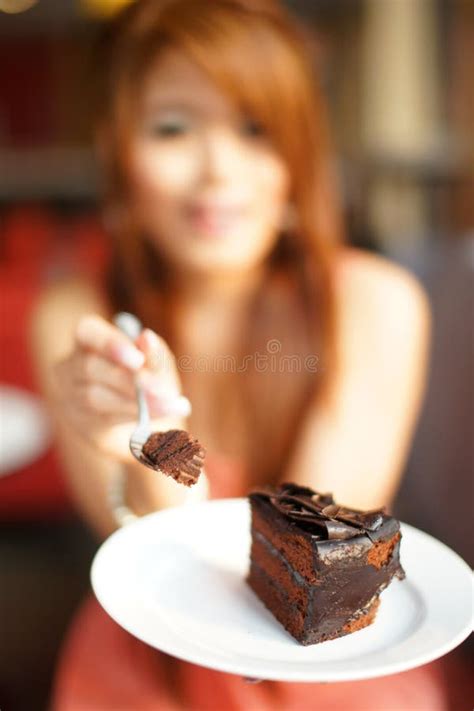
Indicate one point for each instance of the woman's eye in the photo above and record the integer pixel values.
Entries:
(167, 129)
(252, 128)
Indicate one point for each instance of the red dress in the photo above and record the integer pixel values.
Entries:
(103, 668)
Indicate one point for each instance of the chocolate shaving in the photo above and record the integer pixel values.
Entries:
(341, 531)
(290, 488)
(370, 520)
(302, 504)
(332, 510)
(289, 510)
(306, 503)
(175, 454)
(324, 499)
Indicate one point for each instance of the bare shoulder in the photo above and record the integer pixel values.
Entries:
(68, 295)
(375, 292)
(56, 313)
(60, 304)
(356, 444)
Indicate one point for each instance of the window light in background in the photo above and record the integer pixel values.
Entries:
(102, 8)
(14, 6)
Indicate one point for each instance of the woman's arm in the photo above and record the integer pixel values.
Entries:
(357, 446)
(88, 470)
(52, 335)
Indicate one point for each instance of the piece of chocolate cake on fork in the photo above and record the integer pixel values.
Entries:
(319, 567)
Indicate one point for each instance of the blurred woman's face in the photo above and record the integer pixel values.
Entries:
(206, 183)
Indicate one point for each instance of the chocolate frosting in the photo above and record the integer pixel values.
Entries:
(326, 519)
(175, 454)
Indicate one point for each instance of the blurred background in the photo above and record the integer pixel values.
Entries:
(398, 76)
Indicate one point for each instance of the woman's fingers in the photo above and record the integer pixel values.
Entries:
(159, 360)
(90, 376)
(92, 368)
(96, 336)
(87, 382)
(104, 367)
(160, 378)
(102, 400)
(165, 406)
(93, 333)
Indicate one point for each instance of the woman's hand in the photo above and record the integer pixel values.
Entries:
(94, 385)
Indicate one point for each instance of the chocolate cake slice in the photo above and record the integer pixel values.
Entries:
(317, 566)
(176, 454)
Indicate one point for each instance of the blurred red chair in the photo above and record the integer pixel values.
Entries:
(37, 246)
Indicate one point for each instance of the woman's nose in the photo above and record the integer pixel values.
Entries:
(221, 156)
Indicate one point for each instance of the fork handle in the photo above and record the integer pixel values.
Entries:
(131, 326)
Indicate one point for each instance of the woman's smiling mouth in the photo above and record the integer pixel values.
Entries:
(215, 219)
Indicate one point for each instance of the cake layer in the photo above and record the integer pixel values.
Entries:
(328, 605)
(279, 570)
(317, 566)
(363, 618)
(277, 601)
(295, 547)
(296, 622)
(311, 556)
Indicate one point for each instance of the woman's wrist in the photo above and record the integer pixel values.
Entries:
(130, 489)
(135, 491)
(116, 497)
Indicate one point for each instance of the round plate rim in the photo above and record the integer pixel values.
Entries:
(193, 656)
(41, 441)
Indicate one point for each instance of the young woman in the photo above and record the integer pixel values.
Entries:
(222, 206)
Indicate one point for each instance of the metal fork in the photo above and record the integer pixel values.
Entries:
(132, 327)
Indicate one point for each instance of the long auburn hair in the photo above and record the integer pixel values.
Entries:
(262, 57)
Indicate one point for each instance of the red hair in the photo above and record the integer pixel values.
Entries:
(260, 56)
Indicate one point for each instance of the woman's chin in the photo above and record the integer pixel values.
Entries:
(218, 264)
(215, 255)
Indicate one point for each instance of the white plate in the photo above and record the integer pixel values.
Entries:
(176, 580)
(25, 432)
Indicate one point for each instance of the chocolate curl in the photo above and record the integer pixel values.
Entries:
(369, 520)
(340, 531)
(289, 510)
(302, 504)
